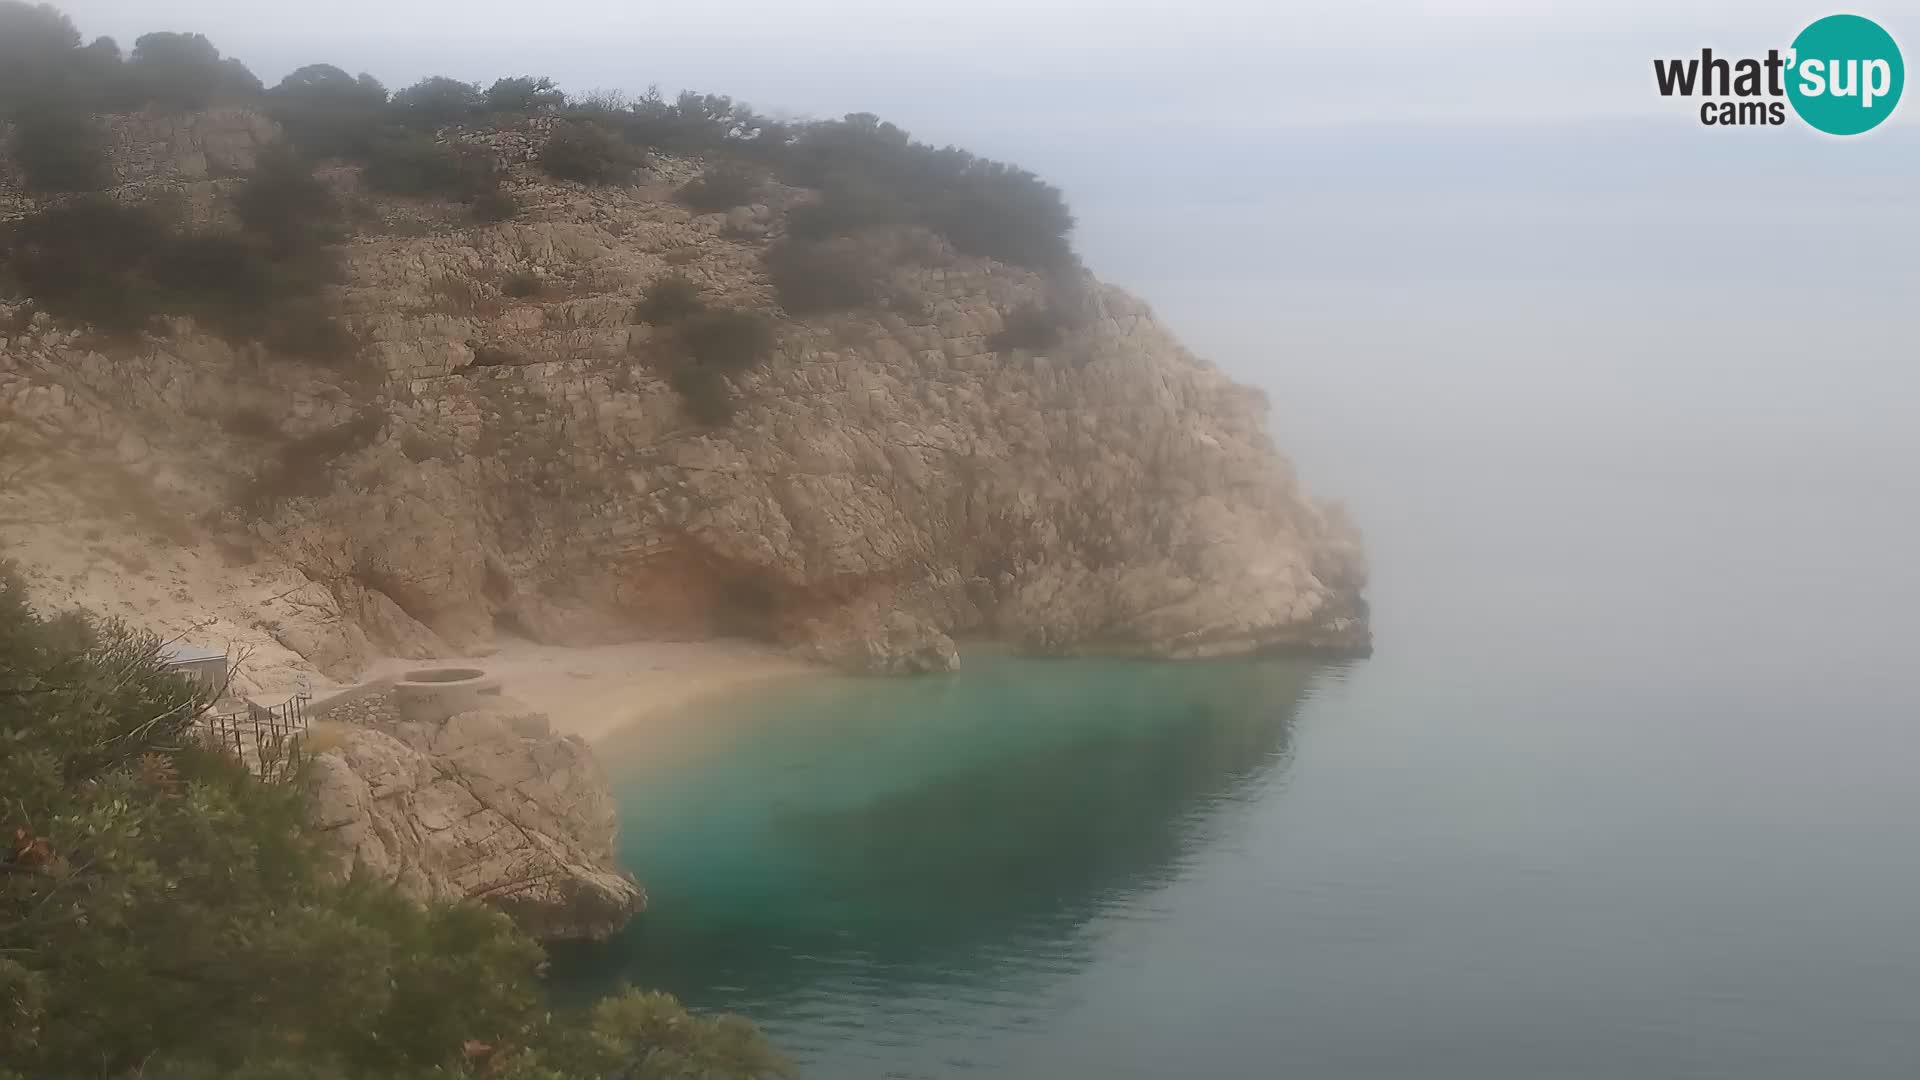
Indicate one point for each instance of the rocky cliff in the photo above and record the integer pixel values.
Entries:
(512, 457)
(486, 805)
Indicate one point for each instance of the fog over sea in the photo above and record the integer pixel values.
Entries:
(1628, 414)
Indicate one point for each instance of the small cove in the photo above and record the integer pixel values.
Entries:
(1577, 818)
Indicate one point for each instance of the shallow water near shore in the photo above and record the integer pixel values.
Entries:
(907, 876)
(1651, 814)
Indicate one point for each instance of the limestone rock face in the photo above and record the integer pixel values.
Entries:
(163, 145)
(389, 628)
(487, 806)
(870, 638)
(894, 477)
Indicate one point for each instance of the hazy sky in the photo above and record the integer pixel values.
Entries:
(1408, 220)
(1243, 61)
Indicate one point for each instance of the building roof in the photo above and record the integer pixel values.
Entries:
(180, 653)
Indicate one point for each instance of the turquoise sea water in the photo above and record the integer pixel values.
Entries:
(1631, 789)
(908, 876)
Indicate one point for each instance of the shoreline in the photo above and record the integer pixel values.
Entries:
(625, 693)
(604, 692)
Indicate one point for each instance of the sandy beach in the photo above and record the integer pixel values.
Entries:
(597, 692)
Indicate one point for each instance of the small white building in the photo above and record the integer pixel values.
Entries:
(203, 665)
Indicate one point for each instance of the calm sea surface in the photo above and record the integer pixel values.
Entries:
(1631, 789)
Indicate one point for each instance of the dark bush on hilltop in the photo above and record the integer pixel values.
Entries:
(37, 43)
(1005, 213)
(185, 71)
(524, 94)
(810, 278)
(688, 124)
(669, 299)
(60, 150)
(97, 79)
(41, 62)
(328, 113)
(591, 154)
(721, 187)
(727, 341)
(165, 914)
(695, 123)
(870, 172)
(437, 101)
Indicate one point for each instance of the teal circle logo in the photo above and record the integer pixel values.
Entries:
(1846, 75)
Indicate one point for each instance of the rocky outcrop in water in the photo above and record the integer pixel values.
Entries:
(895, 477)
(486, 805)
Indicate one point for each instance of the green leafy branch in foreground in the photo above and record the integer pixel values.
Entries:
(163, 914)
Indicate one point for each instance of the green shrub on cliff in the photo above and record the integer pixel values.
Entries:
(90, 260)
(404, 163)
(718, 344)
(185, 71)
(867, 172)
(162, 913)
(37, 42)
(288, 207)
(696, 123)
(437, 101)
(719, 188)
(705, 392)
(1029, 326)
(591, 154)
(727, 341)
(328, 113)
(524, 94)
(42, 64)
(120, 266)
(60, 150)
(815, 277)
(648, 1037)
(870, 172)
(495, 206)
(669, 299)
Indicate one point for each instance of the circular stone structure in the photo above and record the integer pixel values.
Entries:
(432, 695)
